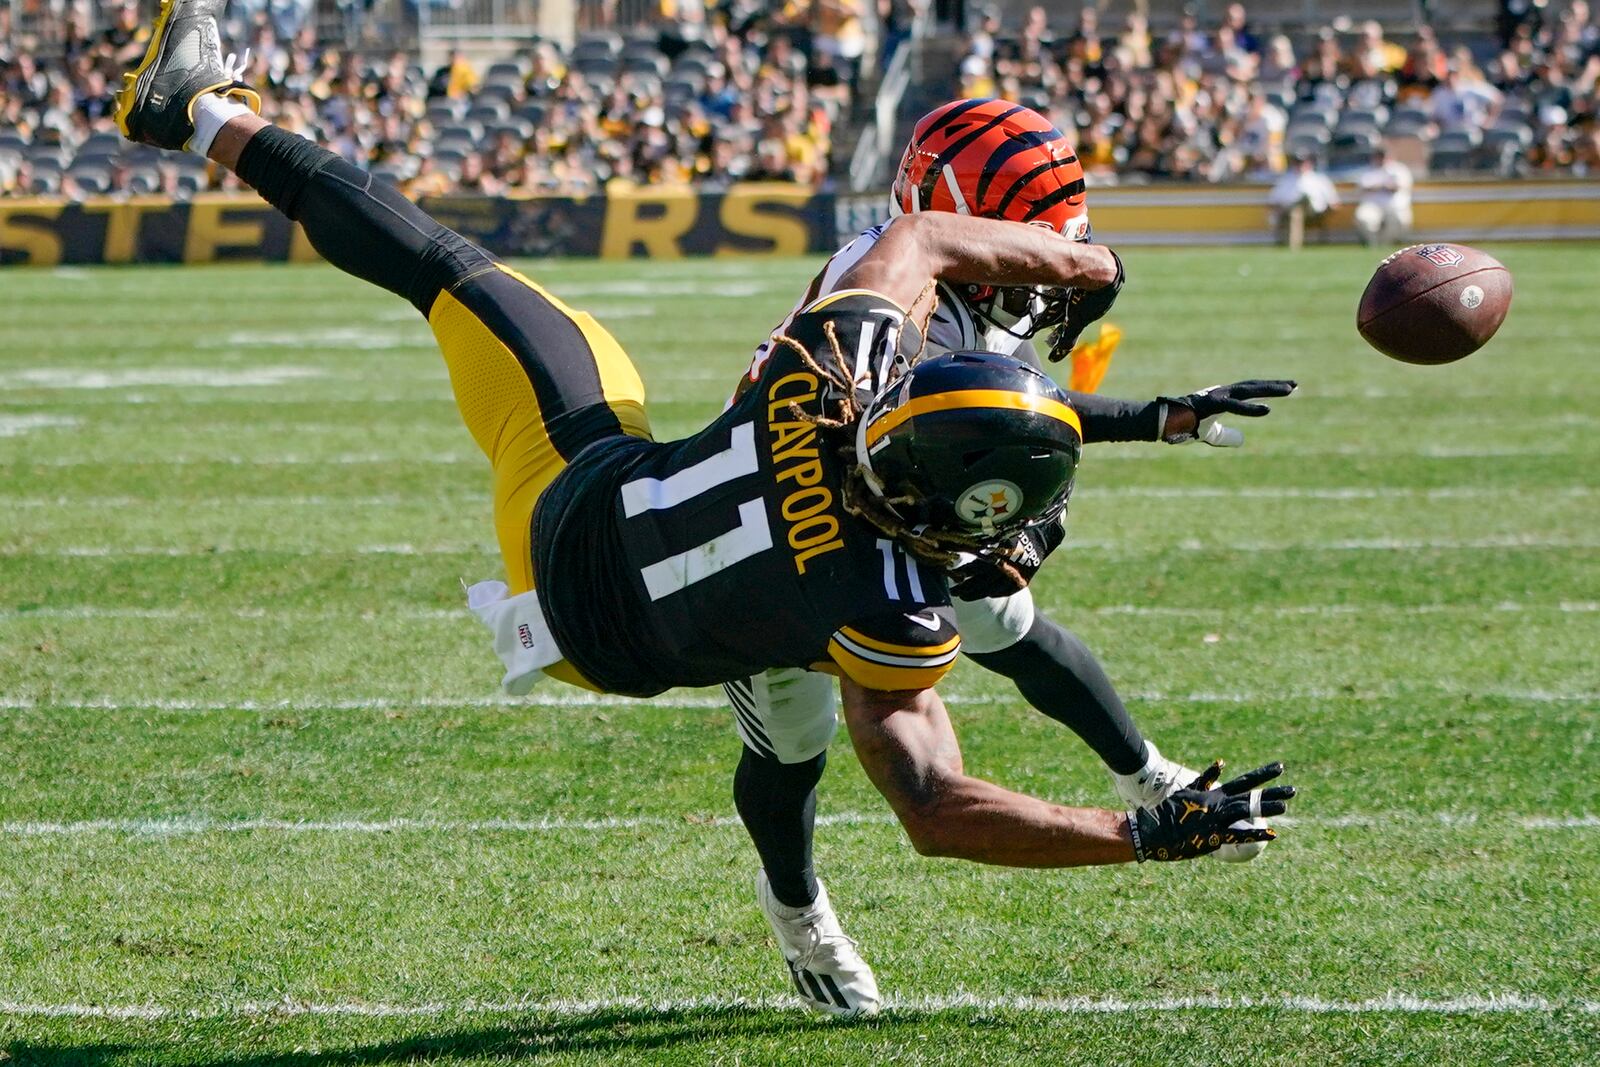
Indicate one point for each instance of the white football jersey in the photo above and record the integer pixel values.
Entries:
(953, 325)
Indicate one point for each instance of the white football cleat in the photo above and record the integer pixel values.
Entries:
(1157, 780)
(827, 972)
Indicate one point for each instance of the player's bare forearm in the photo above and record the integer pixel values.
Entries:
(916, 249)
(908, 748)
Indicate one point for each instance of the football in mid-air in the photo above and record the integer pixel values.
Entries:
(1434, 303)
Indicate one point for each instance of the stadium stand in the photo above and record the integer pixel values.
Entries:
(768, 90)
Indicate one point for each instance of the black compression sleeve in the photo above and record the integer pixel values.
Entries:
(359, 224)
(778, 805)
(1058, 674)
(1108, 419)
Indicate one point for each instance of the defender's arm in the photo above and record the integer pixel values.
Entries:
(916, 249)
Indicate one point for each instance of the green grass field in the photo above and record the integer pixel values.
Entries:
(259, 802)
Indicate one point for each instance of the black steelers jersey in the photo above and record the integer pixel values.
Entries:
(694, 562)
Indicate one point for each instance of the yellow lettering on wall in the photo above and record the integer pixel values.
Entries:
(122, 225)
(209, 231)
(300, 250)
(654, 218)
(742, 214)
(25, 227)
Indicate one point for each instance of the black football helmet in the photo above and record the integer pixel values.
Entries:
(968, 447)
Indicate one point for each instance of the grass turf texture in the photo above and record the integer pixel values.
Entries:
(228, 594)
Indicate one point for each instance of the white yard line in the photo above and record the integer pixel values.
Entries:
(219, 503)
(563, 697)
(340, 459)
(32, 422)
(146, 377)
(926, 1004)
(112, 551)
(1290, 492)
(269, 460)
(408, 613)
(188, 825)
(1376, 544)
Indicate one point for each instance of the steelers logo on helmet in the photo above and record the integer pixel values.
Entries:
(987, 504)
(969, 445)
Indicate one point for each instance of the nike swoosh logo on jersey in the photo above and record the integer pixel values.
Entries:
(925, 618)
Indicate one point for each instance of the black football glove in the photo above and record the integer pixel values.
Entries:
(1200, 819)
(1233, 399)
(1084, 308)
(984, 577)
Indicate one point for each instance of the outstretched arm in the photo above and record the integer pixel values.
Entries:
(908, 748)
(917, 249)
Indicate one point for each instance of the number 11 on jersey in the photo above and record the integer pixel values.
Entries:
(753, 534)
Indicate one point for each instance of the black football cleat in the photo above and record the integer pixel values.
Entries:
(182, 64)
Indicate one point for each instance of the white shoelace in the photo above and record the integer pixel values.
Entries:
(817, 940)
(236, 66)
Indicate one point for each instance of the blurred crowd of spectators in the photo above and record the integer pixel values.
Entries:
(1226, 101)
(747, 90)
(740, 90)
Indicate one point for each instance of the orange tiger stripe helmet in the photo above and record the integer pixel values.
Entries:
(994, 159)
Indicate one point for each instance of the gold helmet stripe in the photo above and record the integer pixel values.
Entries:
(958, 399)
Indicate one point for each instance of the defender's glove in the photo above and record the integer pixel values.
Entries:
(1084, 308)
(983, 576)
(1207, 404)
(1200, 819)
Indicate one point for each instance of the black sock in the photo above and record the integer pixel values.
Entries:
(1058, 674)
(778, 803)
(359, 224)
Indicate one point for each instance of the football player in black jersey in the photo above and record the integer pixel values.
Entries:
(800, 528)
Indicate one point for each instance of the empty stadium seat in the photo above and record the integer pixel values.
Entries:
(1449, 160)
(144, 181)
(641, 64)
(45, 182)
(592, 45)
(506, 70)
(694, 65)
(1308, 131)
(1408, 125)
(1458, 139)
(484, 110)
(442, 111)
(521, 129)
(593, 64)
(1502, 148)
(1311, 111)
(94, 180)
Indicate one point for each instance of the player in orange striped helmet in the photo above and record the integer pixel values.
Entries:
(993, 159)
(1001, 160)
